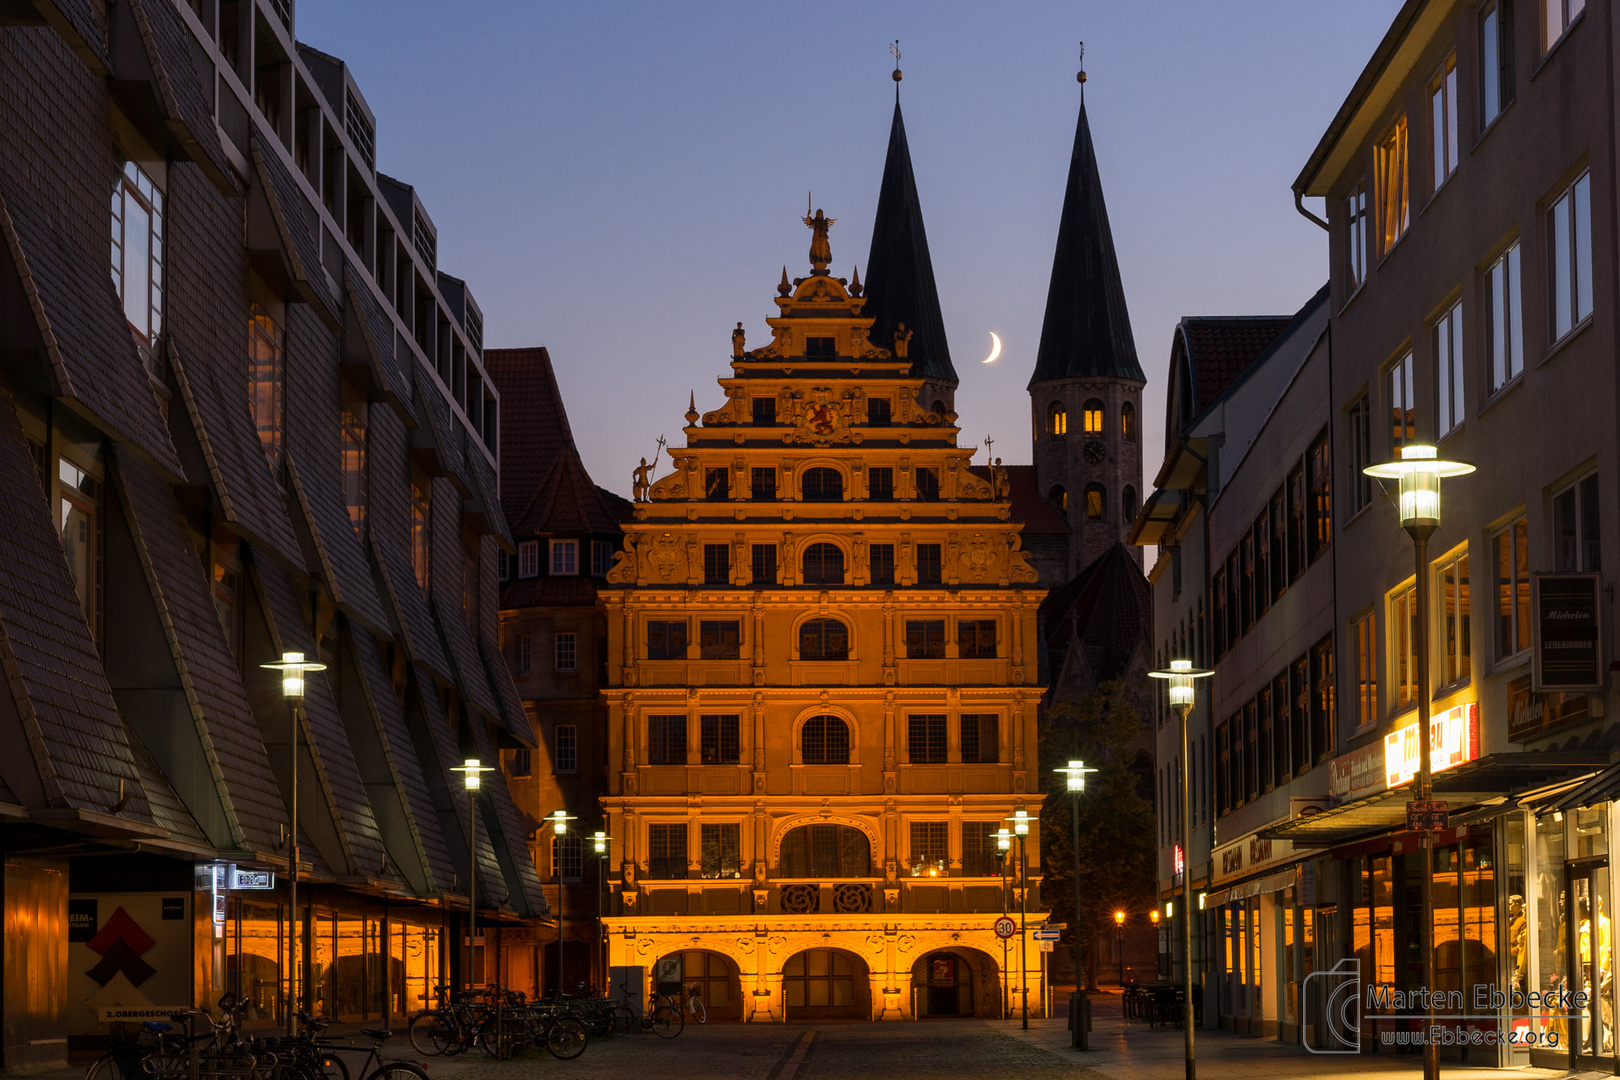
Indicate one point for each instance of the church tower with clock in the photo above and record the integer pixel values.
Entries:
(1086, 392)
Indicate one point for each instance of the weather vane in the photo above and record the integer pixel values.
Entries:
(1081, 77)
(894, 51)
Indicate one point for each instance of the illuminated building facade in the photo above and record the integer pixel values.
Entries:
(822, 670)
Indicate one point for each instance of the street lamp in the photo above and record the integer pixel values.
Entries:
(1119, 946)
(292, 666)
(1021, 822)
(1003, 852)
(471, 771)
(1075, 772)
(1181, 677)
(599, 844)
(559, 820)
(1418, 471)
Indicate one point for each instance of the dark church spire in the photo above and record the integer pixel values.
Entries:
(1087, 330)
(899, 274)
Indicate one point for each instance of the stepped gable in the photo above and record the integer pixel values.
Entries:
(1087, 329)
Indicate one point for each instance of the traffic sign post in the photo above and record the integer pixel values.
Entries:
(1427, 816)
(1047, 933)
(1005, 927)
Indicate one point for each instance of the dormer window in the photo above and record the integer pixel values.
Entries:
(820, 346)
(528, 558)
(564, 558)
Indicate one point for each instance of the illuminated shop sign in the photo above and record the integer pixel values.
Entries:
(1453, 739)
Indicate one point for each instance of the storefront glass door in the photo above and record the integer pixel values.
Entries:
(1591, 946)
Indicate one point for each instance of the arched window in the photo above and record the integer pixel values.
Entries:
(1092, 417)
(1127, 503)
(823, 485)
(823, 564)
(1127, 421)
(824, 741)
(1059, 497)
(823, 639)
(939, 409)
(825, 851)
(1057, 419)
(1095, 502)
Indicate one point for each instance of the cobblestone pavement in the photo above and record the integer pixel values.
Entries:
(935, 1050)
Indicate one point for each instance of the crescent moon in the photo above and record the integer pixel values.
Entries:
(995, 349)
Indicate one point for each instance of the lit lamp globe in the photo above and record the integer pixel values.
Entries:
(1004, 839)
(292, 666)
(1419, 470)
(1021, 820)
(599, 842)
(559, 822)
(1119, 918)
(1180, 675)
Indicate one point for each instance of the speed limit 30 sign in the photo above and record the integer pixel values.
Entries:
(1005, 927)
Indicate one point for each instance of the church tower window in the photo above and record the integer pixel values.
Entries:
(1127, 421)
(1092, 417)
(1127, 503)
(1057, 419)
(1096, 502)
(1059, 497)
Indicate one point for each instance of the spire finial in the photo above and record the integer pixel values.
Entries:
(894, 51)
(1081, 77)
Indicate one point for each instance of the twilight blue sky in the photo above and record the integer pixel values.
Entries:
(623, 182)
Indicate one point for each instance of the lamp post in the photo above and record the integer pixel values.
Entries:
(471, 770)
(1021, 821)
(1119, 946)
(1153, 917)
(1181, 677)
(599, 844)
(559, 828)
(1075, 772)
(1419, 470)
(292, 666)
(1003, 853)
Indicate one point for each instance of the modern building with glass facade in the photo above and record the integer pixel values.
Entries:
(244, 414)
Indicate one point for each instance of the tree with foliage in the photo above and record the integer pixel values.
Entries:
(1117, 826)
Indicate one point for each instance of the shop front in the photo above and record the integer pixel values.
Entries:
(1513, 909)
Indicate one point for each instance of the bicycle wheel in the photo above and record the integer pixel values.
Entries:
(624, 1020)
(566, 1038)
(699, 1013)
(398, 1070)
(104, 1067)
(667, 1022)
(431, 1032)
(332, 1066)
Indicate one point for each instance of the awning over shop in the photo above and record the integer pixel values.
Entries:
(1465, 786)
(1269, 884)
(1604, 787)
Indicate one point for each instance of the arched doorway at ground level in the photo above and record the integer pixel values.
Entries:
(713, 975)
(956, 982)
(826, 984)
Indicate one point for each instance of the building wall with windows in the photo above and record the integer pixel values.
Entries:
(244, 414)
(566, 531)
(822, 690)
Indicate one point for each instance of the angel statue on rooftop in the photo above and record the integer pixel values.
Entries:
(820, 250)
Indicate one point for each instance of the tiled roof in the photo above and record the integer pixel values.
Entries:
(1087, 329)
(1106, 611)
(899, 272)
(1030, 508)
(1219, 347)
(545, 488)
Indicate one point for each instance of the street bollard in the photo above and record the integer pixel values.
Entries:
(1079, 1021)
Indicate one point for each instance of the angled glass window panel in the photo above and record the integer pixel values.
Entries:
(1562, 265)
(1591, 547)
(1490, 75)
(1582, 240)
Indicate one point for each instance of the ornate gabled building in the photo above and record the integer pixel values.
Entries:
(822, 679)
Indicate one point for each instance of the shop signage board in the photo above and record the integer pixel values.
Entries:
(242, 878)
(1247, 854)
(1357, 773)
(1453, 739)
(1567, 652)
(1532, 715)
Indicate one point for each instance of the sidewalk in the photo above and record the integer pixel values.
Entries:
(1134, 1051)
